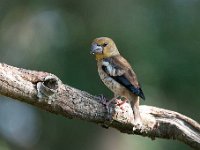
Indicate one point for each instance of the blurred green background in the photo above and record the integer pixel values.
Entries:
(161, 39)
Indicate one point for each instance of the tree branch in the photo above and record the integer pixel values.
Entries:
(46, 91)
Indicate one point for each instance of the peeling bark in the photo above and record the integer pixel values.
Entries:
(46, 91)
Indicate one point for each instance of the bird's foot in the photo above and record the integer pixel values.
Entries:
(120, 102)
(102, 99)
(117, 101)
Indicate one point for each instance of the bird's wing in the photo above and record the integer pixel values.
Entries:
(120, 70)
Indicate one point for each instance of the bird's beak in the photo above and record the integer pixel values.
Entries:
(96, 49)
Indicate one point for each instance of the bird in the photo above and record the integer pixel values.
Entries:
(117, 74)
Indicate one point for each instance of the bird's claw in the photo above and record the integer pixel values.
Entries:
(102, 99)
(120, 102)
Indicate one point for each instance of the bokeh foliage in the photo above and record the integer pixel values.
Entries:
(161, 39)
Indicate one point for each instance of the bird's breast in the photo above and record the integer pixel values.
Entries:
(113, 85)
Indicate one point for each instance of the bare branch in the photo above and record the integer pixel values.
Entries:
(47, 92)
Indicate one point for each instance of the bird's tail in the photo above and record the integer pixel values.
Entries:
(135, 100)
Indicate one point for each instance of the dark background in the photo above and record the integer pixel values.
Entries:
(161, 40)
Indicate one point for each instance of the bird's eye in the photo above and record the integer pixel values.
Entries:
(105, 44)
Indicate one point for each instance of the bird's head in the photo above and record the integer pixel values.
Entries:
(103, 47)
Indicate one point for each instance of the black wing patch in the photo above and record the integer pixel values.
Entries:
(126, 83)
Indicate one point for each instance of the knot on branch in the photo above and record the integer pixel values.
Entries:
(51, 83)
(47, 88)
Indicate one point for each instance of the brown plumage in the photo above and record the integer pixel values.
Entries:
(116, 73)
